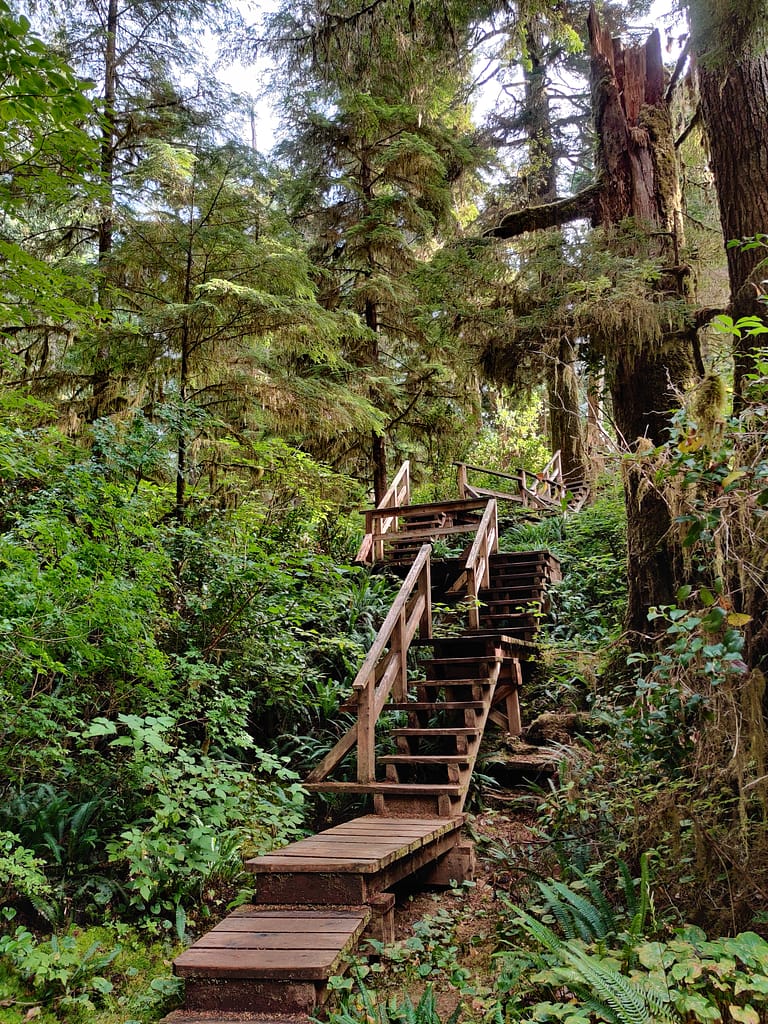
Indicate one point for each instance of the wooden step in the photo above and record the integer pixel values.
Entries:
(436, 705)
(384, 788)
(436, 759)
(478, 659)
(233, 1017)
(262, 959)
(534, 591)
(352, 862)
(514, 604)
(437, 731)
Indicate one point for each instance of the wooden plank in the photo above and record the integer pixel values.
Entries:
(389, 788)
(322, 865)
(427, 534)
(441, 731)
(338, 849)
(275, 964)
(327, 914)
(297, 940)
(243, 926)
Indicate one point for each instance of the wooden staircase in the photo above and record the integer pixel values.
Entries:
(315, 899)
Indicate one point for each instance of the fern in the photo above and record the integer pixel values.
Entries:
(600, 900)
(639, 918)
(588, 921)
(602, 988)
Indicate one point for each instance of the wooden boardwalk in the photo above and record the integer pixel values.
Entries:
(316, 899)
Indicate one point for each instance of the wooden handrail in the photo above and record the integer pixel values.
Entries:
(399, 491)
(551, 477)
(397, 495)
(478, 565)
(385, 669)
(381, 673)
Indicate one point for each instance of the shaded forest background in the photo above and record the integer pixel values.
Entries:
(212, 357)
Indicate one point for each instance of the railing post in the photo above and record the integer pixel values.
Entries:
(472, 593)
(461, 479)
(366, 740)
(400, 685)
(425, 590)
(377, 522)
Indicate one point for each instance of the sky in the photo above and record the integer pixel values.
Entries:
(249, 81)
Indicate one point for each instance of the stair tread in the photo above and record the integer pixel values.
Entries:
(255, 952)
(464, 681)
(387, 788)
(494, 658)
(424, 759)
(438, 705)
(438, 731)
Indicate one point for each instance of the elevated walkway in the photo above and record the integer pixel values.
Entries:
(315, 899)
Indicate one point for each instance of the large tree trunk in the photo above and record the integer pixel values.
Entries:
(734, 107)
(636, 163)
(566, 429)
(565, 421)
(101, 377)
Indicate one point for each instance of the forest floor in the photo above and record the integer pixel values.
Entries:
(446, 939)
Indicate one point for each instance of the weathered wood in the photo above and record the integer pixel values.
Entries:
(296, 957)
(232, 1017)
(234, 995)
(456, 866)
(344, 883)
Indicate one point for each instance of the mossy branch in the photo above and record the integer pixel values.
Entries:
(548, 215)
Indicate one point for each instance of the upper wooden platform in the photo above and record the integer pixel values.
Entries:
(352, 862)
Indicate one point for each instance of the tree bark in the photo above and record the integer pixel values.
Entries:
(548, 215)
(102, 373)
(734, 107)
(565, 421)
(636, 162)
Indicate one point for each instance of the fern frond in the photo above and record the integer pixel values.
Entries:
(625, 1001)
(600, 900)
(561, 913)
(628, 889)
(586, 917)
(543, 935)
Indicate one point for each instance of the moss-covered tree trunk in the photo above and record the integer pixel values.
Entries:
(637, 166)
(734, 107)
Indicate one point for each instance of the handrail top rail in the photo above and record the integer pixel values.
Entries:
(393, 615)
(451, 505)
(515, 475)
(484, 527)
(392, 490)
(493, 472)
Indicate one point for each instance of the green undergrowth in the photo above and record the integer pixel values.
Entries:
(104, 975)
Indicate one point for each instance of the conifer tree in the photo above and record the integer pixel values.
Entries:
(379, 136)
(217, 310)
